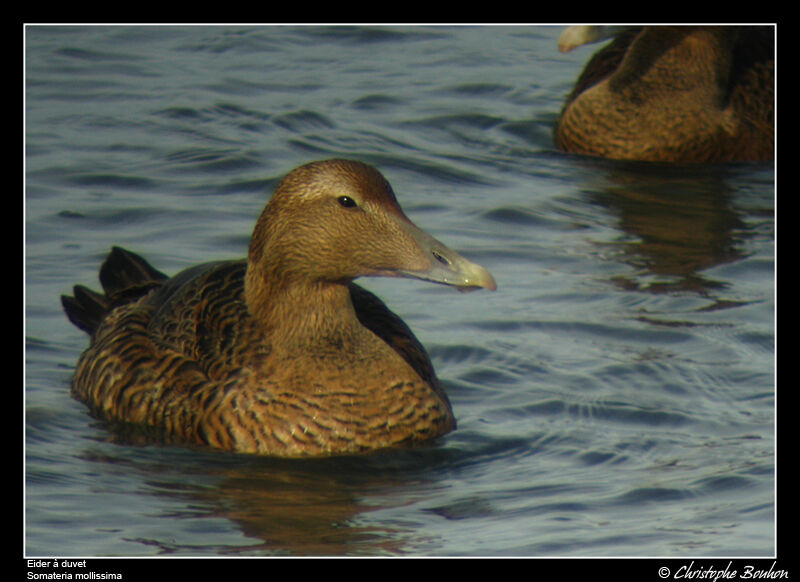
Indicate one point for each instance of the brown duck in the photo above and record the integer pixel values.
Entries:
(280, 354)
(672, 94)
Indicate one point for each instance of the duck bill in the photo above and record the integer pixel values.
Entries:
(446, 266)
(575, 36)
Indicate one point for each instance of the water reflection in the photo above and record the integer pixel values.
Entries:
(681, 222)
(300, 509)
(287, 507)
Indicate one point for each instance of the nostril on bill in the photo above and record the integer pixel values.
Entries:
(440, 258)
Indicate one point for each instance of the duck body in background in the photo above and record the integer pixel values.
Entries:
(672, 94)
(281, 354)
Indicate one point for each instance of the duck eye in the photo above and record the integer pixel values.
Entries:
(347, 202)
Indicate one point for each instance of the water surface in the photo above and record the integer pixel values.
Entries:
(615, 396)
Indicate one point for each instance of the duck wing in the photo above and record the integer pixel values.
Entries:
(380, 320)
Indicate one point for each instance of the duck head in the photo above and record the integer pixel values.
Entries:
(336, 220)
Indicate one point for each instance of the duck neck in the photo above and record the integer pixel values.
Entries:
(305, 315)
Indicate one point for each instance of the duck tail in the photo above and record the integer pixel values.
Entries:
(86, 309)
(123, 272)
(125, 276)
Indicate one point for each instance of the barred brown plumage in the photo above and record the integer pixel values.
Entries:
(281, 354)
(672, 94)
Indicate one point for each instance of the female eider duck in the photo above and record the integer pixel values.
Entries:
(280, 354)
(672, 94)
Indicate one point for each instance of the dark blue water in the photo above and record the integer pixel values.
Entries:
(615, 396)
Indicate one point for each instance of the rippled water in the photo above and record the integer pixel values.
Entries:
(615, 396)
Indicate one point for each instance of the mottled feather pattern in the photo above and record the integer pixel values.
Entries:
(675, 94)
(178, 357)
